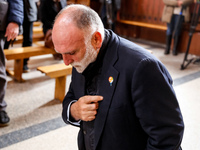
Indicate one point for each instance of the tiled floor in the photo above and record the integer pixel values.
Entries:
(36, 122)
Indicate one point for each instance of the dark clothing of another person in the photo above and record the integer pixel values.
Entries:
(108, 12)
(15, 14)
(48, 11)
(30, 15)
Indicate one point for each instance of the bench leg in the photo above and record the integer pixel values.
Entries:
(60, 85)
(18, 70)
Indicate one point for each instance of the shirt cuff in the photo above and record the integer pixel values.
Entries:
(76, 123)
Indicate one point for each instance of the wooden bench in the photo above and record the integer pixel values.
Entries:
(18, 55)
(36, 38)
(143, 24)
(38, 35)
(37, 23)
(59, 72)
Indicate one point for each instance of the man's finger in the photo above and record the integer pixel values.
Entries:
(93, 99)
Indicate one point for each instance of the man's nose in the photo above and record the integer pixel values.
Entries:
(67, 59)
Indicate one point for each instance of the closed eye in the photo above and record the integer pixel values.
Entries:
(72, 53)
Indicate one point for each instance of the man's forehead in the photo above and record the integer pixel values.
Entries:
(67, 30)
(68, 41)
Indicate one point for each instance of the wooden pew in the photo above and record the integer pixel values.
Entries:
(143, 24)
(18, 55)
(141, 19)
(37, 23)
(36, 38)
(38, 35)
(59, 72)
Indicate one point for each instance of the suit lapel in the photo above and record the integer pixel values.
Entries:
(106, 88)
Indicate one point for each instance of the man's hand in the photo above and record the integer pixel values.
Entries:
(85, 108)
(180, 2)
(12, 31)
(48, 39)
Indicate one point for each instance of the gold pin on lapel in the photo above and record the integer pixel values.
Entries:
(110, 79)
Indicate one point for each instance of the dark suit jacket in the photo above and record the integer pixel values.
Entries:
(139, 110)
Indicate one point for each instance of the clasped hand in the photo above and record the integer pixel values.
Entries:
(85, 108)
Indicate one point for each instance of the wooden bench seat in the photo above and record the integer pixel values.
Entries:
(18, 55)
(36, 38)
(143, 24)
(59, 72)
(38, 35)
(37, 23)
(37, 30)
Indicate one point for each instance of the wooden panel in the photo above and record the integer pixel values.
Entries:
(194, 46)
(142, 10)
(84, 2)
(150, 11)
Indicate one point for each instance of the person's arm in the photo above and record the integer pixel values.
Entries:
(187, 2)
(70, 119)
(180, 3)
(156, 106)
(16, 11)
(15, 19)
(79, 109)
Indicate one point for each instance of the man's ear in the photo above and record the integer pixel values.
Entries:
(97, 40)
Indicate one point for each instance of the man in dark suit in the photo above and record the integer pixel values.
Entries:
(120, 95)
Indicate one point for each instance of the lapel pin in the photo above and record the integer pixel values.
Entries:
(110, 79)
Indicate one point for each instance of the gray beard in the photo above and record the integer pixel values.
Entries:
(89, 57)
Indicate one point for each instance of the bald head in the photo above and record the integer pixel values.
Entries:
(83, 17)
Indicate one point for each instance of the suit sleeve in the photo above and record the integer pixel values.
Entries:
(68, 100)
(16, 11)
(156, 106)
